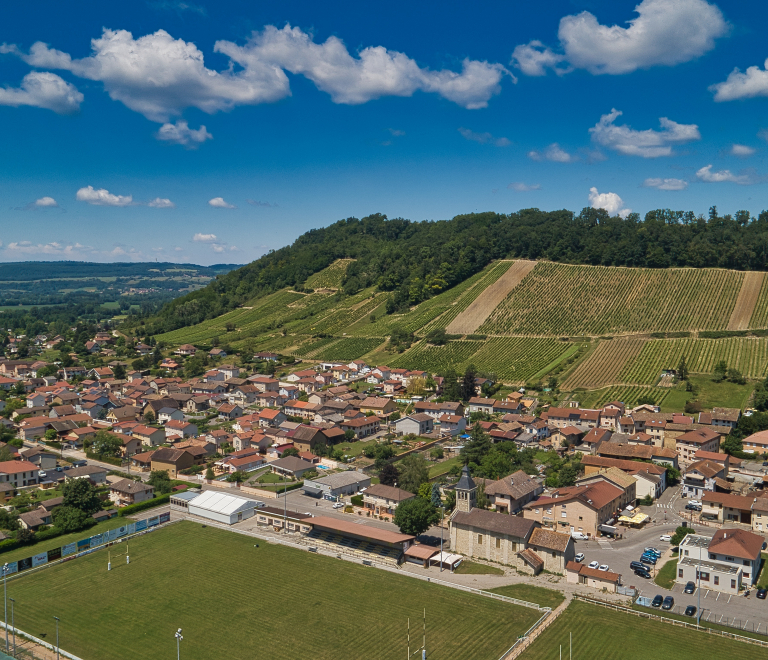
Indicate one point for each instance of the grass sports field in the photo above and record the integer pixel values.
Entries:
(602, 634)
(236, 601)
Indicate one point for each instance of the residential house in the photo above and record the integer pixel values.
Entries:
(271, 418)
(180, 429)
(44, 459)
(149, 435)
(703, 477)
(576, 573)
(35, 519)
(18, 473)
(452, 424)
(127, 491)
(379, 406)
(381, 500)
(553, 548)
(308, 438)
(727, 562)
(511, 493)
(143, 461)
(727, 508)
(616, 477)
(757, 442)
(727, 417)
(172, 460)
(691, 442)
(291, 466)
(479, 404)
(185, 349)
(760, 515)
(362, 427)
(416, 424)
(93, 473)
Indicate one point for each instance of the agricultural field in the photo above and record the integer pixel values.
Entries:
(747, 300)
(293, 604)
(519, 359)
(331, 277)
(637, 638)
(436, 359)
(349, 348)
(630, 395)
(557, 299)
(747, 354)
(603, 366)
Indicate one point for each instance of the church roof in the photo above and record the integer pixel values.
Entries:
(465, 483)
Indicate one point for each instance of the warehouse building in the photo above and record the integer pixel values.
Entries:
(337, 485)
(222, 507)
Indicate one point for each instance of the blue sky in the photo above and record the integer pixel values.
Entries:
(212, 132)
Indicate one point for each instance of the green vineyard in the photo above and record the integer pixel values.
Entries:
(555, 299)
(437, 359)
(331, 277)
(629, 395)
(348, 349)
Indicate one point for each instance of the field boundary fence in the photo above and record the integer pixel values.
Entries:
(674, 622)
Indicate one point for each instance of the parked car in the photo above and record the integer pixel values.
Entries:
(668, 603)
(579, 536)
(603, 567)
(594, 564)
(634, 565)
(690, 588)
(761, 593)
(649, 559)
(665, 537)
(579, 557)
(651, 551)
(79, 463)
(696, 502)
(693, 507)
(338, 505)
(658, 599)
(690, 610)
(643, 573)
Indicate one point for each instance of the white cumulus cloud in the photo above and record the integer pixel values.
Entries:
(609, 201)
(46, 202)
(42, 89)
(161, 203)
(741, 150)
(102, 197)
(519, 186)
(181, 133)
(484, 138)
(204, 238)
(219, 203)
(54, 247)
(554, 152)
(722, 176)
(647, 143)
(665, 184)
(747, 85)
(664, 33)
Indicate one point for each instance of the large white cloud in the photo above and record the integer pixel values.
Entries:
(160, 76)
(220, 203)
(46, 202)
(722, 176)
(609, 201)
(647, 143)
(664, 33)
(102, 197)
(42, 89)
(753, 82)
(742, 150)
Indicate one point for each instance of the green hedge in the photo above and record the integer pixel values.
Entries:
(357, 500)
(104, 459)
(141, 506)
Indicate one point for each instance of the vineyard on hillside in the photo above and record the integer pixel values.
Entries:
(760, 312)
(436, 359)
(629, 395)
(748, 355)
(348, 349)
(605, 364)
(331, 277)
(556, 299)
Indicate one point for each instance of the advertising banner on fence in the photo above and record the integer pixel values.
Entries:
(165, 517)
(39, 559)
(131, 528)
(84, 544)
(97, 539)
(54, 554)
(11, 567)
(69, 549)
(141, 525)
(24, 564)
(154, 520)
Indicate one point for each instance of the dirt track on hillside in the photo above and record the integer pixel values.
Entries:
(480, 308)
(745, 303)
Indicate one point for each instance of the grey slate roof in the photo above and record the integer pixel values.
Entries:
(465, 483)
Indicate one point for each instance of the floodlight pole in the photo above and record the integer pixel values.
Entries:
(13, 625)
(5, 598)
(57, 637)
(442, 516)
(178, 644)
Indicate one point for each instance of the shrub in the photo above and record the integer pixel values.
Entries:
(141, 506)
(357, 500)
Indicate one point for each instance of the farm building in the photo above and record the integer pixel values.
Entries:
(222, 507)
(335, 485)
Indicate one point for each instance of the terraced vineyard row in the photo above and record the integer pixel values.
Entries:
(331, 277)
(748, 355)
(605, 364)
(310, 348)
(519, 359)
(556, 299)
(436, 359)
(760, 312)
(340, 319)
(627, 394)
(349, 348)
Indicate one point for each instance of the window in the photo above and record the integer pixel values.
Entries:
(549, 511)
(717, 579)
(564, 514)
(729, 559)
(480, 539)
(535, 510)
(746, 562)
(581, 518)
(679, 572)
(554, 554)
(686, 553)
(733, 584)
(498, 542)
(704, 576)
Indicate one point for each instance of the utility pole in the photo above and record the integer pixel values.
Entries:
(57, 638)
(178, 644)
(5, 598)
(442, 516)
(13, 625)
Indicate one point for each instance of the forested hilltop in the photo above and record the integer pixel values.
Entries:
(417, 260)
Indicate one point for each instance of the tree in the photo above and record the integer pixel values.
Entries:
(435, 496)
(721, 368)
(478, 446)
(119, 371)
(682, 369)
(425, 491)
(673, 475)
(437, 337)
(389, 475)
(149, 416)
(50, 435)
(161, 482)
(8, 521)
(437, 452)
(496, 464)
(349, 435)
(451, 388)
(415, 516)
(209, 474)
(237, 476)
(291, 451)
(25, 536)
(732, 445)
(482, 498)
(6, 455)
(680, 534)
(69, 519)
(106, 444)
(468, 383)
(81, 494)
(413, 472)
